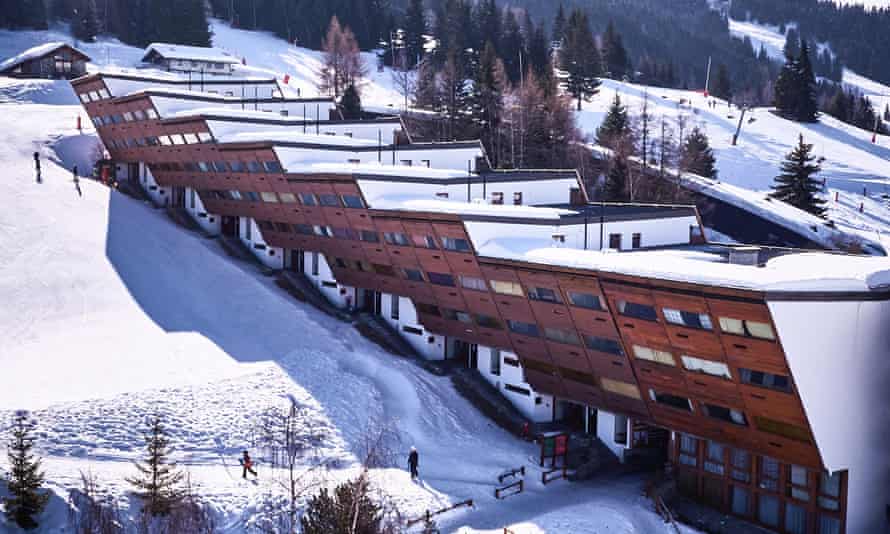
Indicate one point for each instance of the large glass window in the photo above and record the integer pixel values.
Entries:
(725, 414)
(369, 236)
(352, 201)
(488, 322)
(396, 238)
(689, 319)
(562, 336)
(413, 274)
(456, 315)
(741, 499)
(768, 510)
(708, 367)
(268, 196)
(456, 244)
(654, 355)
(744, 327)
(544, 294)
(329, 200)
(586, 300)
(620, 388)
(308, 199)
(674, 401)
(779, 428)
(526, 329)
(741, 465)
(471, 282)
(829, 524)
(287, 198)
(507, 288)
(601, 344)
(798, 483)
(830, 491)
(768, 478)
(714, 462)
(765, 380)
(688, 450)
(440, 279)
(637, 310)
(424, 241)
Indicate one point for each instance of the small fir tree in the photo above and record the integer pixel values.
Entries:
(796, 185)
(786, 88)
(697, 156)
(559, 25)
(807, 108)
(26, 500)
(349, 510)
(614, 187)
(616, 125)
(158, 483)
(85, 25)
(351, 103)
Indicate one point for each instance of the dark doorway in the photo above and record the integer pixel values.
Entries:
(178, 200)
(296, 261)
(573, 415)
(230, 226)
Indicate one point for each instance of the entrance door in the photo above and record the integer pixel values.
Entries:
(230, 226)
(178, 197)
(378, 303)
(296, 261)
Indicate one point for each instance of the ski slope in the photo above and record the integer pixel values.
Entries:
(112, 313)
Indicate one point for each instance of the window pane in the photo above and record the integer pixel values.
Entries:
(674, 401)
(760, 330)
(473, 283)
(637, 311)
(706, 366)
(620, 388)
(585, 300)
(456, 244)
(352, 201)
(600, 344)
(507, 288)
(544, 294)
(795, 519)
(561, 336)
(441, 279)
(268, 197)
(413, 274)
(829, 525)
(287, 198)
(329, 200)
(768, 510)
(732, 326)
(654, 355)
(396, 238)
(488, 322)
(527, 329)
(740, 501)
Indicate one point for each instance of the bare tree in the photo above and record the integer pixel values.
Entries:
(91, 510)
(405, 84)
(343, 65)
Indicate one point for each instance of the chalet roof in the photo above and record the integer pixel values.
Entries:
(193, 53)
(36, 52)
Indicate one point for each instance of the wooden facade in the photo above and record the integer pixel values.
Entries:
(61, 62)
(697, 360)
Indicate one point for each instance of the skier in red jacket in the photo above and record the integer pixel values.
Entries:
(247, 464)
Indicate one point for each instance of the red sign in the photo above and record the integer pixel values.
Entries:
(562, 445)
(286, 78)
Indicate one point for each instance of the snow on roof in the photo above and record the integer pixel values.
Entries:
(194, 53)
(173, 77)
(804, 271)
(286, 136)
(413, 203)
(34, 53)
(368, 169)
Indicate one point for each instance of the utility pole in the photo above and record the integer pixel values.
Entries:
(738, 129)
(708, 78)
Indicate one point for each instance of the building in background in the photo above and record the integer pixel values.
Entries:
(196, 59)
(49, 60)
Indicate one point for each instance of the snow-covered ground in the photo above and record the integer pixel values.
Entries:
(112, 313)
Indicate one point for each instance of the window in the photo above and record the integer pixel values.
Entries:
(497, 198)
(765, 380)
(368, 236)
(561, 336)
(708, 367)
(396, 238)
(352, 201)
(741, 499)
(618, 387)
(724, 414)
(425, 163)
(829, 491)
(235, 195)
(304, 229)
(341, 263)
(512, 362)
(526, 329)
(689, 319)
(329, 200)
(413, 330)
(424, 241)
(139, 115)
(384, 270)
(654, 355)
(586, 300)
(191, 138)
(457, 315)
(345, 233)
(471, 282)
(220, 166)
(252, 196)
(829, 524)
(268, 196)
(128, 117)
(152, 114)
(674, 401)
(282, 227)
(544, 294)
(615, 241)
(517, 198)
(795, 519)
(714, 458)
(308, 199)
(637, 310)
(236, 166)
(426, 309)
(203, 166)
(405, 162)
(517, 389)
(204, 137)
(741, 465)
(413, 274)
(507, 288)
(768, 478)
(688, 450)
(315, 264)
(353, 161)
(495, 362)
(742, 327)
(456, 244)
(785, 430)
(394, 306)
(768, 510)
(271, 166)
(322, 230)
(797, 483)
(636, 240)
(179, 140)
(362, 266)
(287, 198)
(488, 322)
(601, 344)
(254, 166)
(440, 279)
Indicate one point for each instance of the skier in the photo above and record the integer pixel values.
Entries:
(247, 464)
(76, 181)
(412, 462)
(37, 166)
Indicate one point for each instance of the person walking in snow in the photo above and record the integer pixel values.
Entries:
(412, 462)
(76, 181)
(37, 166)
(247, 464)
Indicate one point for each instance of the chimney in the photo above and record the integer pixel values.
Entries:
(744, 256)
(575, 197)
(482, 164)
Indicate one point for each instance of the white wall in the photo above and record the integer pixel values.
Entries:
(430, 346)
(120, 87)
(250, 235)
(536, 192)
(537, 412)
(168, 106)
(295, 124)
(341, 296)
(607, 425)
(210, 67)
(838, 354)
(160, 196)
(442, 158)
(211, 223)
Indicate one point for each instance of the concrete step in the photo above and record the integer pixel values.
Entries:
(487, 399)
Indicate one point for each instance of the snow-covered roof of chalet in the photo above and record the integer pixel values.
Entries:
(480, 208)
(194, 53)
(37, 52)
(157, 75)
(285, 136)
(367, 170)
(792, 272)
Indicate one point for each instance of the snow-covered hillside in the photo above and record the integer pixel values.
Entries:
(112, 313)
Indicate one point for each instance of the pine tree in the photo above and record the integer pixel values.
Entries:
(697, 156)
(614, 188)
(349, 510)
(488, 24)
(786, 87)
(158, 483)
(26, 500)
(426, 91)
(807, 108)
(415, 29)
(452, 93)
(615, 59)
(486, 103)
(792, 43)
(796, 185)
(559, 25)
(722, 84)
(579, 57)
(512, 47)
(615, 127)
(351, 103)
(85, 25)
